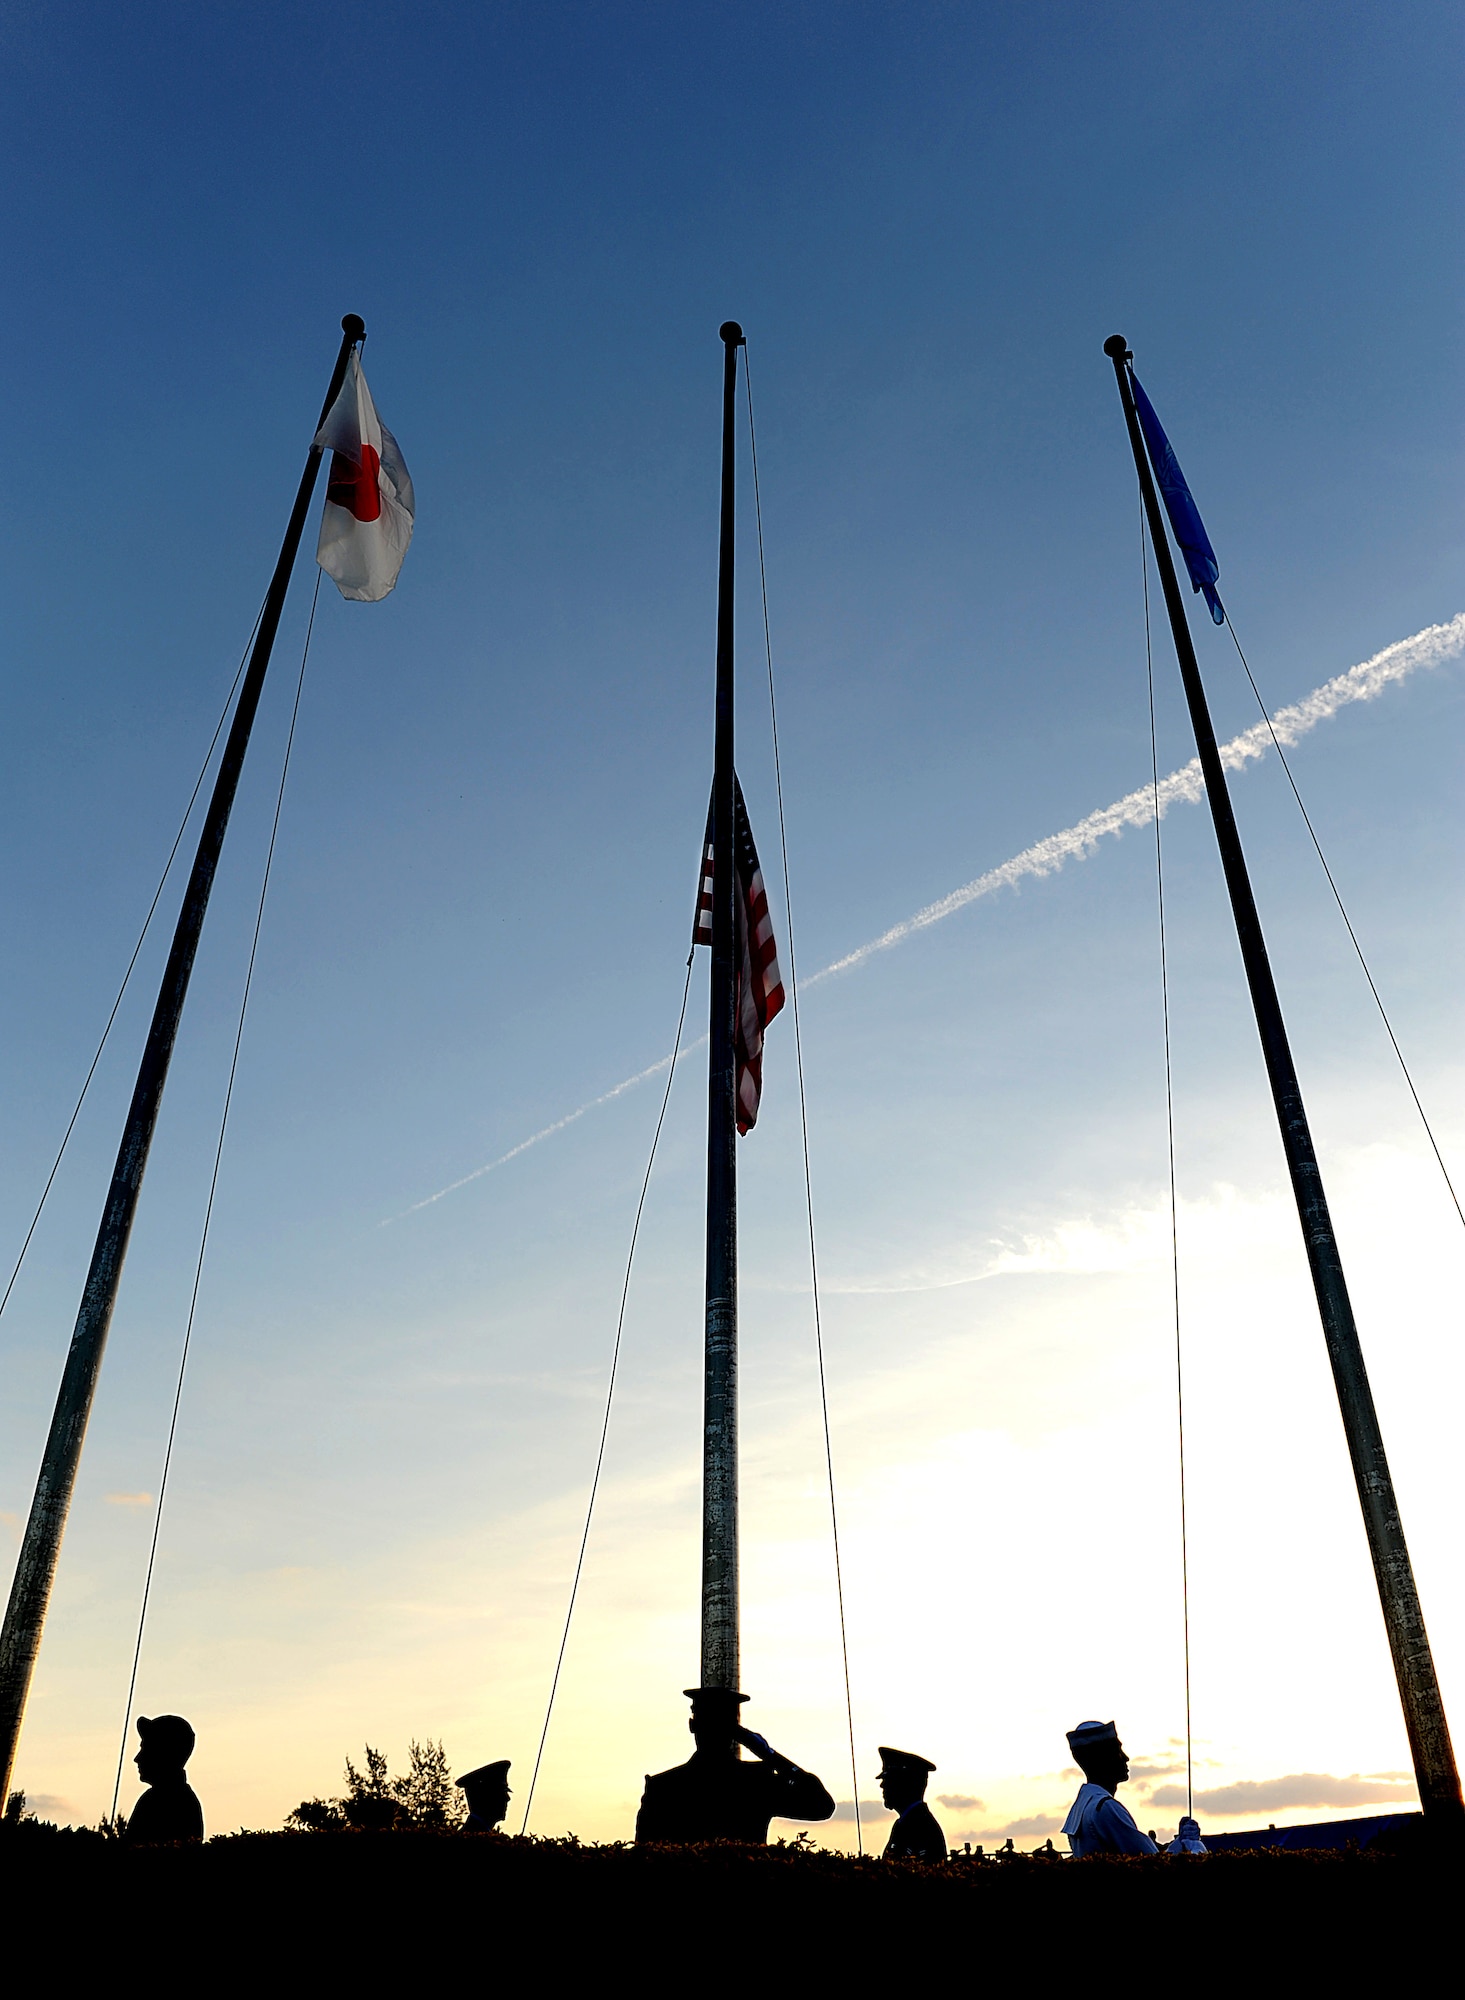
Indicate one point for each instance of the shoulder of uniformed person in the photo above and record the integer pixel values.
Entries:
(916, 1834)
(668, 1781)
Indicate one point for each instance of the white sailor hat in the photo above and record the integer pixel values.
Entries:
(1089, 1735)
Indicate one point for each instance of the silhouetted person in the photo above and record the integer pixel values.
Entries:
(715, 1795)
(1097, 1823)
(169, 1808)
(916, 1836)
(486, 1791)
(1187, 1839)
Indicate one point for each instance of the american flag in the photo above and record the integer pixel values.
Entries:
(760, 988)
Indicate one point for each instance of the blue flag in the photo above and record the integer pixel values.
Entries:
(1185, 520)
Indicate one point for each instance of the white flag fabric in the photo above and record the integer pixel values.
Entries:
(367, 522)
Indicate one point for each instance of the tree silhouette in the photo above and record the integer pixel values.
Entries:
(425, 1798)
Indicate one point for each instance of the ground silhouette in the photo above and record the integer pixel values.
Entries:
(353, 1906)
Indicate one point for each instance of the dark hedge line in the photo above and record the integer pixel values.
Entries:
(381, 1907)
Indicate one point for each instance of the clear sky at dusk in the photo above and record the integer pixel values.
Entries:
(927, 217)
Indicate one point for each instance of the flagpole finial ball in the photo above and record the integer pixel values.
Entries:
(1117, 348)
(731, 332)
(354, 326)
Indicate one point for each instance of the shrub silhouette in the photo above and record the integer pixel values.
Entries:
(424, 1799)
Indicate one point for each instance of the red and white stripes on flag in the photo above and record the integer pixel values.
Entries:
(760, 988)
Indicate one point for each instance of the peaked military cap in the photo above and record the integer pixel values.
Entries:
(1090, 1735)
(484, 1772)
(695, 1695)
(169, 1735)
(903, 1760)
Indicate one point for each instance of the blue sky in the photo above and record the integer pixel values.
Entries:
(927, 218)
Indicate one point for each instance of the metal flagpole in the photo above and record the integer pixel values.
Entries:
(1419, 1691)
(36, 1568)
(720, 1664)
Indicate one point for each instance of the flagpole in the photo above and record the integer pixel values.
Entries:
(1419, 1691)
(35, 1569)
(720, 1662)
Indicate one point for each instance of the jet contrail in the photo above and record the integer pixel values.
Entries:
(535, 1138)
(1361, 683)
(1364, 682)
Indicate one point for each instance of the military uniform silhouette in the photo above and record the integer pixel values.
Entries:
(169, 1808)
(715, 1795)
(916, 1835)
(486, 1794)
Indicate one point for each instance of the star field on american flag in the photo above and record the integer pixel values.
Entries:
(760, 985)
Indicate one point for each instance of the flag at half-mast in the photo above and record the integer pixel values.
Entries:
(760, 988)
(367, 522)
(1185, 520)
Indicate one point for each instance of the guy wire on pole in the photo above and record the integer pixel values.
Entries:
(35, 1568)
(1414, 1670)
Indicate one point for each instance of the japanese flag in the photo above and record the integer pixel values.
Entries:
(367, 522)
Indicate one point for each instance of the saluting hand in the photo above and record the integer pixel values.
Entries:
(759, 1745)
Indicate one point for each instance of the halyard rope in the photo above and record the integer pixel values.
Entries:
(1170, 1141)
(793, 987)
(615, 1358)
(127, 975)
(1347, 920)
(209, 1210)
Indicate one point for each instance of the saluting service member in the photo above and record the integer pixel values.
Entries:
(1097, 1823)
(715, 1795)
(169, 1808)
(486, 1792)
(916, 1835)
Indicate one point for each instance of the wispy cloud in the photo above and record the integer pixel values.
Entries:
(1015, 1829)
(1124, 1241)
(47, 1805)
(1299, 1788)
(869, 1808)
(1364, 682)
(1135, 1239)
(129, 1499)
(960, 1802)
(1143, 1771)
